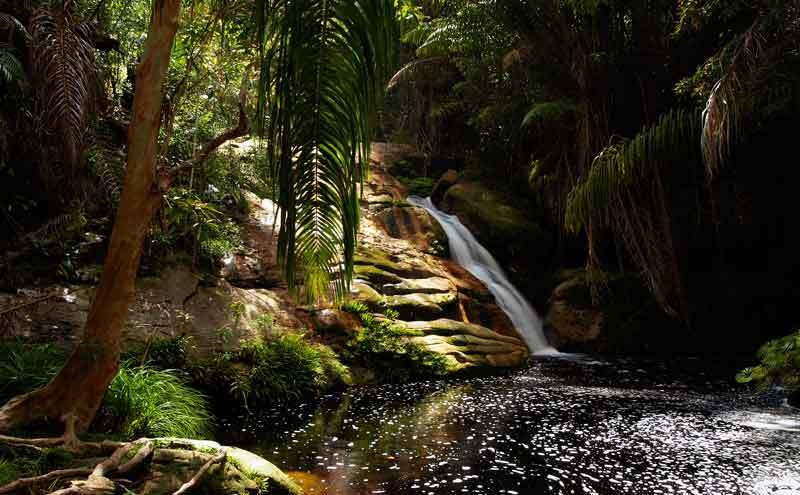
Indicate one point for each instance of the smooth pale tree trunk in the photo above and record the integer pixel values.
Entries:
(76, 392)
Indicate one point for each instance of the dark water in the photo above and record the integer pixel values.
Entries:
(562, 426)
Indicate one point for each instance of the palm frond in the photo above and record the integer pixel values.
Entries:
(12, 25)
(65, 66)
(409, 70)
(327, 62)
(722, 115)
(624, 191)
(672, 140)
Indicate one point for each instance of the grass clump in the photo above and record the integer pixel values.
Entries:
(8, 471)
(383, 346)
(25, 367)
(143, 401)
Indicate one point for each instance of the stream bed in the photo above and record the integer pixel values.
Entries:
(564, 425)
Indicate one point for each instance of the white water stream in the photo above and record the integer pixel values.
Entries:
(469, 253)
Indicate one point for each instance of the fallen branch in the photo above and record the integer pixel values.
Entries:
(192, 482)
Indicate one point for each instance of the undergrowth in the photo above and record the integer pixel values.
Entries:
(780, 364)
(141, 400)
(383, 346)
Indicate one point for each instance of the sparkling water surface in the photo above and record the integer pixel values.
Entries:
(564, 425)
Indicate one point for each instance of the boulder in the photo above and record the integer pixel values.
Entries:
(444, 183)
(175, 461)
(624, 319)
(467, 345)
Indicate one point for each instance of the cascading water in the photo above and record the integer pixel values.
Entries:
(469, 253)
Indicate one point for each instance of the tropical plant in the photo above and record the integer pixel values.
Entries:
(64, 61)
(324, 67)
(780, 364)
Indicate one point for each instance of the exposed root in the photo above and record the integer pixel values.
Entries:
(45, 478)
(214, 460)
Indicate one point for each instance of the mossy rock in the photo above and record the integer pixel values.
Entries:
(625, 318)
(515, 237)
(176, 460)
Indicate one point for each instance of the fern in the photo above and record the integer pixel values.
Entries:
(11, 69)
(550, 110)
(64, 62)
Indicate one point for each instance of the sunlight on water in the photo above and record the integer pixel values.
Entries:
(563, 426)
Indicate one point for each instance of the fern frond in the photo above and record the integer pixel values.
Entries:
(672, 140)
(65, 65)
(11, 69)
(550, 110)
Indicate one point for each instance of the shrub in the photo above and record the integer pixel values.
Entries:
(286, 369)
(142, 401)
(382, 345)
(780, 364)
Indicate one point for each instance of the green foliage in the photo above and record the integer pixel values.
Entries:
(383, 346)
(324, 66)
(275, 372)
(780, 364)
(140, 400)
(189, 216)
(143, 401)
(287, 369)
(24, 367)
(418, 186)
(169, 353)
(8, 471)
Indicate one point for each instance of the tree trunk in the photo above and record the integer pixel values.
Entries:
(78, 389)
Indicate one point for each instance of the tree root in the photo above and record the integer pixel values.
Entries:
(220, 457)
(98, 481)
(37, 480)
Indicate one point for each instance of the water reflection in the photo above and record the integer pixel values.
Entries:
(566, 426)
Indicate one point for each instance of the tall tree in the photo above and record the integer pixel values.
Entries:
(76, 392)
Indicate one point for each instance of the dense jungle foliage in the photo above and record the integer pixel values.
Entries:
(650, 139)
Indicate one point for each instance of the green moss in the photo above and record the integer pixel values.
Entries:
(418, 186)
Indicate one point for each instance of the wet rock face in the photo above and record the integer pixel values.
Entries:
(624, 318)
(447, 310)
(521, 243)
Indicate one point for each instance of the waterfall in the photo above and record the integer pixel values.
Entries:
(469, 253)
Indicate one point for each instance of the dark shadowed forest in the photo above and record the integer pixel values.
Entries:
(399, 246)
